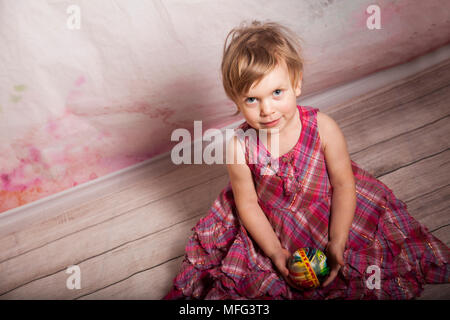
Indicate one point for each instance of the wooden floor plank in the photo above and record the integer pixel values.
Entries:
(436, 292)
(393, 94)
(431, 208)
(154, 284)
(135, 224)
(443, 234)
(420, 177)
(386, 156)
(111, 267)
(388, 124)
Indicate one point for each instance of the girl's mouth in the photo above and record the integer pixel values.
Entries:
(271, 124)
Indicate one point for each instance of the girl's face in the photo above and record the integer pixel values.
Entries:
(272, 102)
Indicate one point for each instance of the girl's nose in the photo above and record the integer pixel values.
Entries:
(266, 109)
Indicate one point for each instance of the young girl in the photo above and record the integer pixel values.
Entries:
(316, 197)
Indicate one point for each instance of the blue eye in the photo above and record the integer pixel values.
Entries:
(250, 100)
(277, 92)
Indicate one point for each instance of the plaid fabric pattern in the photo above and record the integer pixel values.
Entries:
(223, 262)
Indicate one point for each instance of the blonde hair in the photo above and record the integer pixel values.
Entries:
(253, 51)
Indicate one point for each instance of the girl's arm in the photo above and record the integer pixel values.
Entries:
(253, 218)
(246, 199)
(343, 203)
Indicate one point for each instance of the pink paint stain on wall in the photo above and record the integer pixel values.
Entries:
(16, 180)
(75, 91)
(80, 81)
(52, 127)
(16, 187)
(67, 151)
(59, 155)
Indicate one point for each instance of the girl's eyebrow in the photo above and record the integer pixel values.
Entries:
(280, 87)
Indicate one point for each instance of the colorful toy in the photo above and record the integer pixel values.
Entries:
(308, 267)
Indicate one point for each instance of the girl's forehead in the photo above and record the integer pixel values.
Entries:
(276, 78)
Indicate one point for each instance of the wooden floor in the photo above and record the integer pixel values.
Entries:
(129, 242)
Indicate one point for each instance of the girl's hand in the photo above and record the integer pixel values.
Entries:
(280, 259)
(335, 255)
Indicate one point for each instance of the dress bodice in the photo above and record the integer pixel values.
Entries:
(298, 177)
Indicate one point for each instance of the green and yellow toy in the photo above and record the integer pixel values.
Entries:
(308, 268)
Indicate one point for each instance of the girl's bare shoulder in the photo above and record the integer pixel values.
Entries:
(322, 122)
(328, 129)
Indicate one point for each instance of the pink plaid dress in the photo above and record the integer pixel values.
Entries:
(223, 262)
